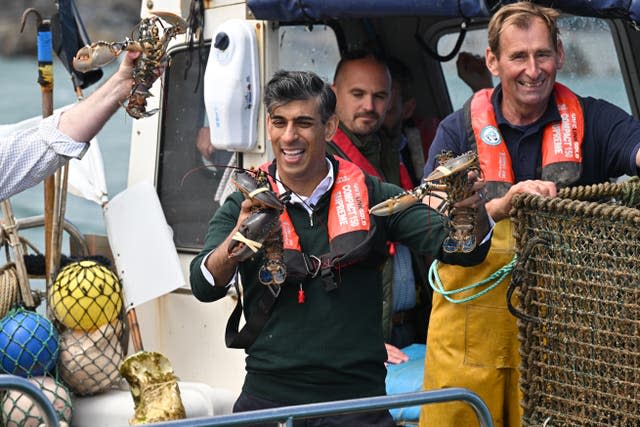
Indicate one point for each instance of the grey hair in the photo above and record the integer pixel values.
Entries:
(287, 86)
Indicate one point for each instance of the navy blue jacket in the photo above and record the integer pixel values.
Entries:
(611, 140)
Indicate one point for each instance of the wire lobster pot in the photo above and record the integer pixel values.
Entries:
(577, 287)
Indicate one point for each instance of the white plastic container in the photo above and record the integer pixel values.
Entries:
(232, 86)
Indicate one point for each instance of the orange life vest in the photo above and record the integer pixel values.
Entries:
(344, 143)
(349, 225)
(561, 141)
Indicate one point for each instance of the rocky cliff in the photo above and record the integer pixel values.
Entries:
(109, 20)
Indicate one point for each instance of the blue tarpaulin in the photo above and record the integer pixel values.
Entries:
(626, 9)
(321, 10)
(318, 10)
(407, 377)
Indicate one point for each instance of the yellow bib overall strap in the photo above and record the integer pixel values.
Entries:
(474, 345)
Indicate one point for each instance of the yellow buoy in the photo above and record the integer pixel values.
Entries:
(85, 295)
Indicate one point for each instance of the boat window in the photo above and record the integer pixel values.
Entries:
(191, 186)
(591, 66)
(475, 43)
(309, 48)
(191, 181)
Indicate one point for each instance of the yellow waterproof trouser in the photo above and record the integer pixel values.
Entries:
(474, 344)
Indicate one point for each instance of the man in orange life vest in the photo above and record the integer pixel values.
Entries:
(364, 90)
(320, 337)
(514, 128)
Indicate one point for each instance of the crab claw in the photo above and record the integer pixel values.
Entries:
(394, 204)
(252, 233)
(179, 24)
(96, 55)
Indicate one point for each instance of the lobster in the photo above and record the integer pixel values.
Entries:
(451, 178)
(262, 229)
(152, 45)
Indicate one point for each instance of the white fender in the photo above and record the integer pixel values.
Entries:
(232, 86)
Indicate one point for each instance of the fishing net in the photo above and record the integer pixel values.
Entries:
(29, 348)
(28, 343)
(19, 410)
(577, 282)
(86, 302)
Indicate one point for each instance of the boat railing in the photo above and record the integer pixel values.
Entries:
(284, 416)
(19, 384)
(75, 235)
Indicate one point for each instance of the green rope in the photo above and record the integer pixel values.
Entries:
(497, 277)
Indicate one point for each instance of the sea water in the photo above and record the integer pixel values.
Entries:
(22, 99)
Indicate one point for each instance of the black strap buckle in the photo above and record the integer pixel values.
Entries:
(329, 279)
(313, 264)
(275, 290)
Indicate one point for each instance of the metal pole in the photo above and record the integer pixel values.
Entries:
(287, 413)
(45, 80)
(134, 327)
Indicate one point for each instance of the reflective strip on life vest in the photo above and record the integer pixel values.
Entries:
(563, 140)
(349, 207)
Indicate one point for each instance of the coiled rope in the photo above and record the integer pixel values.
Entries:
(497, 277)
(8, 288)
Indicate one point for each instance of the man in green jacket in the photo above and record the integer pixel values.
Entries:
(327, 345)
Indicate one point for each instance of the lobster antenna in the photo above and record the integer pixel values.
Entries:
(211, 165)
(288, 191)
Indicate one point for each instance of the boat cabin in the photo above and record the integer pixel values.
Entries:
(211, 92)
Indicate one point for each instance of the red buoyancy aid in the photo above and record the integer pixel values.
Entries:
(561, 141)
(350, 227)
(405, 179)
(344, 143)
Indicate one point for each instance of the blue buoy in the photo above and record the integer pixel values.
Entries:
(28, 344)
